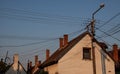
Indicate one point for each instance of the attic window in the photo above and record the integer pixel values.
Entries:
(86, 53)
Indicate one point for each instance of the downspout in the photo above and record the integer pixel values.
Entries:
(103, 62)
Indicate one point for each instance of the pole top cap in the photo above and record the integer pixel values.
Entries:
(102, 5)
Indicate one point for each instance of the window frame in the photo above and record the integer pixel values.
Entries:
(87, 50)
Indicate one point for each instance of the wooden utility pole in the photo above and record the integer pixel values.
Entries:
(93, 47)
(92, 40)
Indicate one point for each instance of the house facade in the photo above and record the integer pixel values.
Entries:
(16, 67)
(75, 57)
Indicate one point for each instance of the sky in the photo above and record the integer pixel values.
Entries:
(29, 27)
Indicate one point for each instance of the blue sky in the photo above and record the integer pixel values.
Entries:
(31, 21)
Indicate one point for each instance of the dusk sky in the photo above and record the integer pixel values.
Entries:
(29, 27)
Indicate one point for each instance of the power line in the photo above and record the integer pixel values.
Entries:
(41, 20)
(31, 12)
(112, 31)
(27, 44)
(110, 20)
(36, 50)
(38, 17)
(32, 38)
(108, 34)
(24, 37)
(104, 41)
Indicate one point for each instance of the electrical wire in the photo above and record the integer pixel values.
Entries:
(108, 34)
(112, 31)
(36, 50)
(35, 38)
(27, 44)
(108, 44)
(32, 38)
(24, 37)
(31, 12)
(37, 17)
(110, 20)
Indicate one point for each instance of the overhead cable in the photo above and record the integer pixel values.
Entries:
(110, 20)
(108, 34)
(26, 44)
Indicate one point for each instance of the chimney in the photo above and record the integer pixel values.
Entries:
(61, 42)
(30, 64)
(36, 60)
(65, 39)
(15, 60)
(115, 52)
(47, 53)
(39, 63)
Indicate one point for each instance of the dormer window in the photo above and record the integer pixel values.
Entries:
(86, 53)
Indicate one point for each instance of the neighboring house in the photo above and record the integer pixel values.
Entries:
(33, 69)
(16, 67)
(115, 53)
(75, 57)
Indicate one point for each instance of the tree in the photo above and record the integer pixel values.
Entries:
(3, 67)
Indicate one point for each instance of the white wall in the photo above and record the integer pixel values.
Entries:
(110, 67)
(104, 64)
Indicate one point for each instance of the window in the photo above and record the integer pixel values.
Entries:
(86, 53)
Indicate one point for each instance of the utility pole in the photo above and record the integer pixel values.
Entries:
(93, 34)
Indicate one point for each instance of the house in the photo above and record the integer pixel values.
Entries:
(115, 53)
(75, 57)
(33, 69)
(16, 67)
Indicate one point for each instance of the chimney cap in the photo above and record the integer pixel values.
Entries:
(65, 34)
(115, 44)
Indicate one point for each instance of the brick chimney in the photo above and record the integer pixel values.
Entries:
(39, 63)
(61, 42)
(115, 52)
(47, 53)
(30, 64)
(65, 39)
(36, 60)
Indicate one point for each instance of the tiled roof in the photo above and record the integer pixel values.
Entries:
(59, 53)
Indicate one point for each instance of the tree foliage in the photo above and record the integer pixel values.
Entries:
(3, 66)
